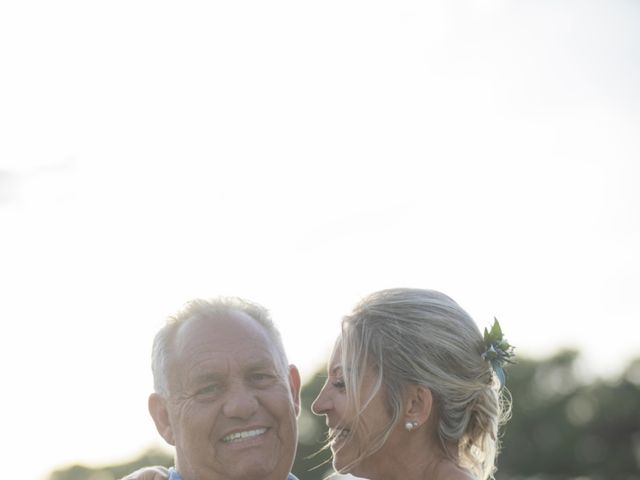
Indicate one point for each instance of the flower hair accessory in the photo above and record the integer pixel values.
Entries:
(498, 351)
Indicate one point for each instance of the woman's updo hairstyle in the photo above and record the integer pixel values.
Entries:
(423, 337)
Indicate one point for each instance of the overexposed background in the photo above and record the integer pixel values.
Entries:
(302, 154)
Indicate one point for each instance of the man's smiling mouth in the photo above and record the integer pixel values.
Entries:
(240, 436)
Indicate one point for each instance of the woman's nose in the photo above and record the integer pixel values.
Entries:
(321, 405)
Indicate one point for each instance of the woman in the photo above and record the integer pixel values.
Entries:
(413, 391)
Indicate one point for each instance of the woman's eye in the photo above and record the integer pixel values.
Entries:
(339, 384)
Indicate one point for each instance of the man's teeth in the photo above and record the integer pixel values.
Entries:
(239, 436)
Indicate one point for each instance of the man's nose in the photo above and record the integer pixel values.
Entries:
(240, 402)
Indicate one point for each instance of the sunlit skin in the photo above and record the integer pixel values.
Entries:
(231, 415)
(405, 455)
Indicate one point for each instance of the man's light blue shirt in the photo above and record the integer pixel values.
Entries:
(174, 475)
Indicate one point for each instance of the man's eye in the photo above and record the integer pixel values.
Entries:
(261, 377)
(209, 389)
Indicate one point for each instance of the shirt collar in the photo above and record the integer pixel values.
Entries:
(174, 475)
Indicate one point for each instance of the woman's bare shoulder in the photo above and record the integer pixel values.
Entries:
(451, 471)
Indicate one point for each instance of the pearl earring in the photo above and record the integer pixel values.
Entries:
(410, 425)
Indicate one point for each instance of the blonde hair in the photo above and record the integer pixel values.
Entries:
(423, 337)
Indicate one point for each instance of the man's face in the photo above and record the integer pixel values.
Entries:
(231, 413)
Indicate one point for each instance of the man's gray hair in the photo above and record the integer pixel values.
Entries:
(163, 342)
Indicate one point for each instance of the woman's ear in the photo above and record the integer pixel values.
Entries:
(160, 415)
(419, 404)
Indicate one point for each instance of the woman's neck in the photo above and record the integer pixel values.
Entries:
(418, 458)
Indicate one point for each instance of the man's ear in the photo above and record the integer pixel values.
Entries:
(419, 404)
(160, 415)
(294, 385)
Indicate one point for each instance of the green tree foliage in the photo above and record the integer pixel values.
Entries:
(113, 472)
(561, 428)
(313, 462)
(565, 429)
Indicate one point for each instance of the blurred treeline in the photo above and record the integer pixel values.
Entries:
(562, 428)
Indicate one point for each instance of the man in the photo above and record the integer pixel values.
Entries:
(224, 396)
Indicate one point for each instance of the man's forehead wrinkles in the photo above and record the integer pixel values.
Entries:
(222, 363)
(203, 333)
(210, 359)
(231, 347)
(235, 348)
(211, 370)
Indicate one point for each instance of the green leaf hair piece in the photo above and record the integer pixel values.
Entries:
(497, 350)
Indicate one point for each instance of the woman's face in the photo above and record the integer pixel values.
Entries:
(346, 445)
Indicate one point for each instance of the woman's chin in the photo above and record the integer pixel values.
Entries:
(340, 465)
(344, 466)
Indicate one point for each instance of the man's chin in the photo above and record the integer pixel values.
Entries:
(258, 472)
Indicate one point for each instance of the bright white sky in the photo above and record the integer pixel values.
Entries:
(301, 154)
